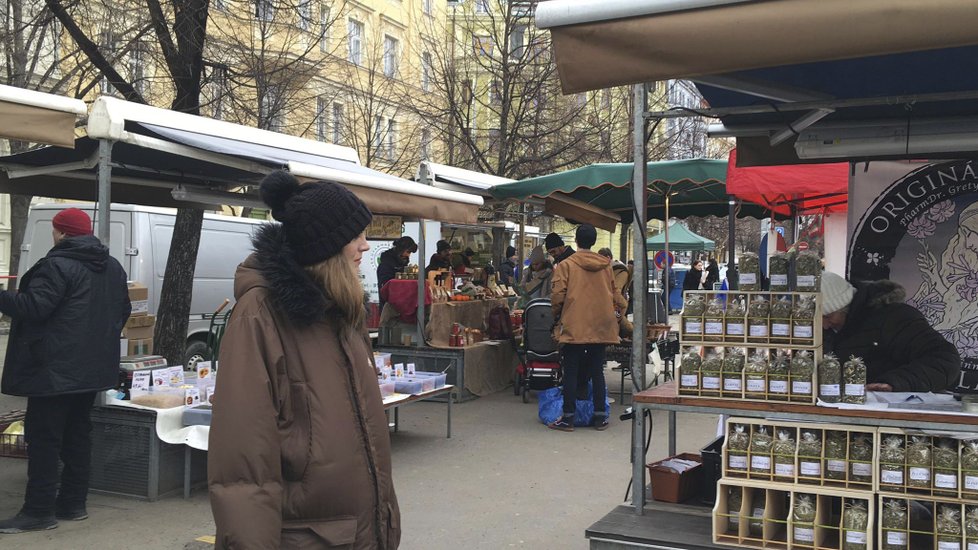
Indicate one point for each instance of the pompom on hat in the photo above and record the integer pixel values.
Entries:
(319, 217)
(837, 292)
(72, 222)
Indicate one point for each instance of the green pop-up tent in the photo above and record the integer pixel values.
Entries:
(680, 238)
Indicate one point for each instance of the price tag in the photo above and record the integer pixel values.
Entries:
(973, 546)
(141, 380)
(399, 370)
(857, 390)
(801, 388)
(732, 384)
(694, 327)
(210, 395)
(784, 469)
(971, 483)
(410, 369)
(760, 462)
(689, 380)
(828, 390)
(811, 468)
(804, 534)
(711, 382)
(836, 465)
(758, 330)
(805, 281)
(755, 385)
(946, 545)
(945, 481)
(896, 538)
(735, 329)
(779, 386)
(780, 329)
(803, 331)
(191, 397)
(919, 474)
(737, 462)
(862, 469)
(161, 377)
(714, 327)
(758, 513)
(856, 537)
(748, 278)
(779, 279)
(891, 477)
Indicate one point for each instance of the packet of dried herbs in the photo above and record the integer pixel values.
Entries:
(829, 379)
(969, 465)
(738, 441)
(860, 457)
(946, 465)
(801, 371)
(781, 319)
(689, 371)
(734, 318)
(810, 454)
(733, 372)
(710, 372)
(735, 501)
(919, 462)
(802, 319)
(808, 272)
(778, 271)
(777, 376)
(971, 525)
(855, 522)
(758, 313)
(784, 448)
(760, 450)
(755, 524)
(803, 519)
(755, 374)
(948, 524)
(895, 518)
(893, 459)
(713, 321)
(749, 271)
(854, 380)
(694, 306)
(835, 455)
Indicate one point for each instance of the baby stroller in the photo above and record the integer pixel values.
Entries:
(539, 367)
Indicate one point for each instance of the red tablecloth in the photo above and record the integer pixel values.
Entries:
(402, 295)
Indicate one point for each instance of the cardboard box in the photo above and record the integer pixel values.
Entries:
(141, 321)
(139, 298)
(143, 346)
(139, 333)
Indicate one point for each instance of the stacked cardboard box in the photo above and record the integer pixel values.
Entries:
(138, 332)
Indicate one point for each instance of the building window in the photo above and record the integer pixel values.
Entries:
(426, 71)
(305, 14)
(425, 144)
(482, 45)
(108, 43)
(324, 24)
(220, 5)
(337, 123)
(391, 138)
(216, 85)
(517, 41)
(390, 56)
(264, 10)
(321, 128)
(137, 62)
(355, 32)
(428, 7)
(482, 6)
(378, 137)
(271, 113)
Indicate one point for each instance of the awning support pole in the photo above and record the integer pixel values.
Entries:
(731, 244)
(640, 282)
(103, 213)
(672, 414)
(424, 176)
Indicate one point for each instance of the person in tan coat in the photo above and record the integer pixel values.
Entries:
(586, 308)
(299, 451)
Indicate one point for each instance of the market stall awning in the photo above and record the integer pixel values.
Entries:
(695, 188)
(680, 239)
(795, 188)
(39, 117)
(604, 43)
(452, 178)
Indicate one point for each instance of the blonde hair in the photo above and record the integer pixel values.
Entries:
(340, 280)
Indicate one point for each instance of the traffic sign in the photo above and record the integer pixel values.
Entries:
(660, 259)
(802, 246)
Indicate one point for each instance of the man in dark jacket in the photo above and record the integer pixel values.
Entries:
(556, 248)
(507, 269)
(394, 260)
(442, 258)
(63, 349)
(903, 353)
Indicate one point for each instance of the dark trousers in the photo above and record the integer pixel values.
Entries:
(581, 362)
(58, 428)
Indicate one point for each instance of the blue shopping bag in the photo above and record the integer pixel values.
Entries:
(551, 406)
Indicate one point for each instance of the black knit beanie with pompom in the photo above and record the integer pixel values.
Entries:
(319, 217)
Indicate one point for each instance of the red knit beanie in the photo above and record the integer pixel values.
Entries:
(72, 222)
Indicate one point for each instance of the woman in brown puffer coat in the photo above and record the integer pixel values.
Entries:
(299, 446)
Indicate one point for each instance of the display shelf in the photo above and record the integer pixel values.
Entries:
(916, 477)
(920, 528)
(746, 386)
(713, 328)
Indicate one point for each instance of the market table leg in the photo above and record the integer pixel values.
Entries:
(449, 400)
(672, 433)
(397, 418)
(186, 471)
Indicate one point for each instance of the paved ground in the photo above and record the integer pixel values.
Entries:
(502, 481)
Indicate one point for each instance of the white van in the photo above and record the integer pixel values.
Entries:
(140, 240)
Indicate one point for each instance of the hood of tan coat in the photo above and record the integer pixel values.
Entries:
(589, 261)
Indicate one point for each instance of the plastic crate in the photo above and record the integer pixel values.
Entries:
(438, 377)
(671, 486)
(128, 459)
(413, 386)
(12, 445)
(712, 456)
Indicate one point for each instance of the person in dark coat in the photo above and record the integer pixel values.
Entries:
(712, 274)
(394, 260)
(442, 258)
(694, 277)
(507, 269)
(63, 349)
(556, 248)
(903, 353)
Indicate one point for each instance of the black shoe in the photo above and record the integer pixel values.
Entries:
(72, 514)
(561, 424)
(22, 523)
(600, 423)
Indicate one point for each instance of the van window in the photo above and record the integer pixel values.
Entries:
(38, 235)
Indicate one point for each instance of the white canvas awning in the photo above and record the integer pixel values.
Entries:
(39, 117)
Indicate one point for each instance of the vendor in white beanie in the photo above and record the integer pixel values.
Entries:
(902, 351)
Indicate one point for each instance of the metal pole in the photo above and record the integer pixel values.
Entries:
(732, 281)
(104, 190)
(672, 414)
(520, 249)
(425, 178)
(640, 283)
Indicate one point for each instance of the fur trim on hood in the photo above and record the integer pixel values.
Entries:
(881, 293)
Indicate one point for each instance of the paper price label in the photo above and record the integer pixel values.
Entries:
(801, 388)
(946, 545)
(758, 330)
(973, 546)
(892, 477)
(141, 380)
(779, 386)
(784, 469)
(711, 382)
(779, 329)
(760, 462)
(737, 462)
(828, 390)
(804, 534)
(191, 397)
(176, 376)
(689, 380)
(204, 371)
(856, 537)
(210, 395)
(694, 327)
(971, 483)
(896, 538)
(758, 513)
(161, 377)
(779, 280)
(714, 327)
(732, 384)
(803, 331)
(755, 385)
(945, 481)
(735, 329)
(410, 369)
(805, 281)
(920, 474)
(862, 469)
(856, 389)
(836, 465)
(811, 468)
(748, 278)
(399, 370)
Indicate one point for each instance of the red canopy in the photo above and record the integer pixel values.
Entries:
(807, 187)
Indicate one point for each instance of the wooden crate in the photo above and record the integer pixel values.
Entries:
(903, 478)
(767, 332)
(919, 531)
(778, 529)
(745, 388)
